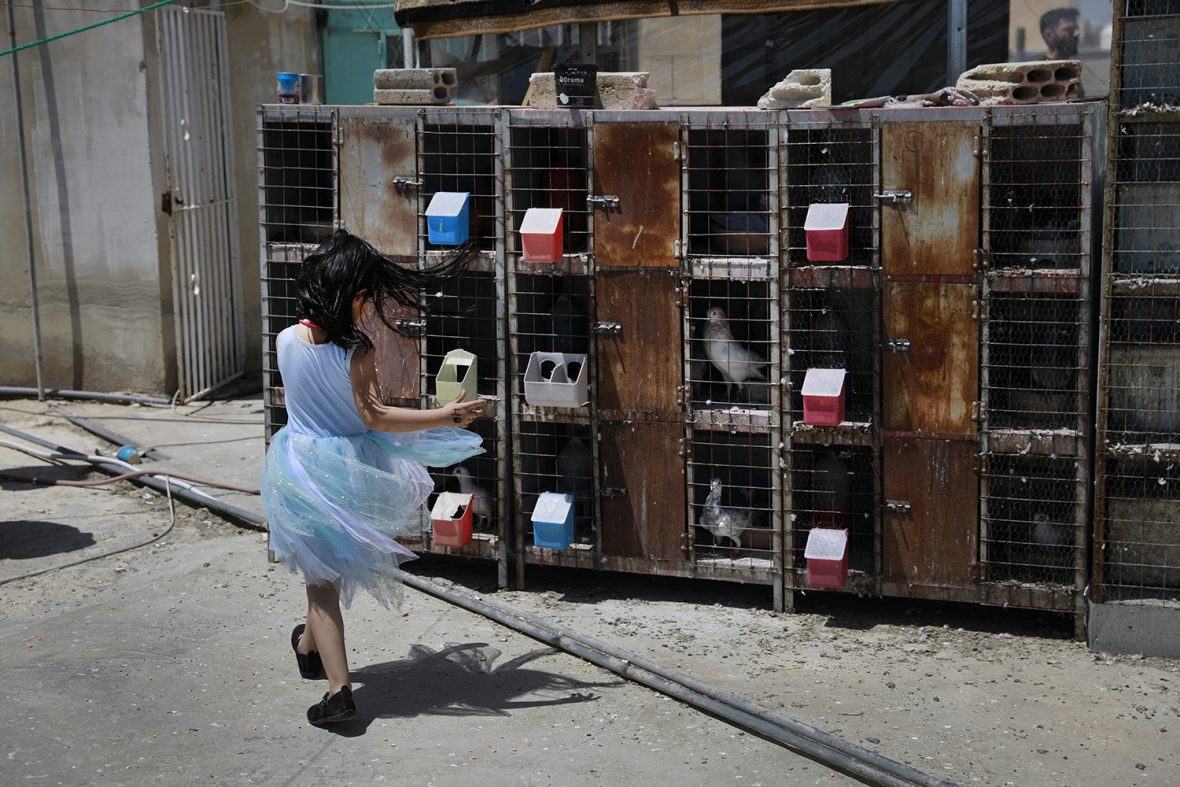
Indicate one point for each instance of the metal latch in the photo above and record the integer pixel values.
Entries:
(603, 201)
(608, 328)
(898, 506)
(404, 184)
(898, 345)
(895, 196)
(614, 491)
(410, 327)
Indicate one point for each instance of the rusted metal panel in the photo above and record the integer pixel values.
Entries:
(398, 356)
(933, 545)
(635, 162)
(638, 368)
(938, 229)
(643, 506)
(930, 385)
(374, 153)
(810, 277)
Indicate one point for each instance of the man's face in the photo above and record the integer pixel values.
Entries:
(1063, 38)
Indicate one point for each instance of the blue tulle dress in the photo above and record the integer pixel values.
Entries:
(337, 494)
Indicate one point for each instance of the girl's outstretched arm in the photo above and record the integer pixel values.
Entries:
(384, 418)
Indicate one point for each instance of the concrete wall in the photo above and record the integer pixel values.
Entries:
(101, 245)
(683, 55)
(95, 234)
(260, 45)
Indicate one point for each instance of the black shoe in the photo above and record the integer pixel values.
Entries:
(310, 665)
(330, 710)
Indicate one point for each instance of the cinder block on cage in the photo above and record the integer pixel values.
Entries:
(458, 372)
(803, 87)
(1023, 83)
(414, 78)
(542, 234)
(553, 521)
(556, 380)
(448, 218)
(823, 397)
(827, 557)
(826, 228)
(450, 519)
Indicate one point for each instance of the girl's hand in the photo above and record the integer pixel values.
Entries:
(462, 413)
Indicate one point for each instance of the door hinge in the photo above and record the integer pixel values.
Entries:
(977, 411)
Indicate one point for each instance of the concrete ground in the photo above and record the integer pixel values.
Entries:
(170, 662)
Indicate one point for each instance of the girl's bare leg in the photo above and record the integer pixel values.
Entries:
(326, 625)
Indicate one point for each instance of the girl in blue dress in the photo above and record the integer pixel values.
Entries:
(347, 474)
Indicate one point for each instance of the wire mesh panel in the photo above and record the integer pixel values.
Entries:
(1149, 55)
(548, 314)
(831, 164)
(732, 363)
(1140, 550)
(1142, 372)
(734, 499)
(297, 177)
(1037, 183)
(1147, 199)
(1033, 527)
(1034, 369)
(556, 457)
(461, 151)
(467, 314)
(729, 173)
(550, 169)
(832, 329)
(834, 487)
(297, 211)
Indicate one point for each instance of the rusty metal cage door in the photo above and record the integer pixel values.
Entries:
(929, 235)
(199, 199)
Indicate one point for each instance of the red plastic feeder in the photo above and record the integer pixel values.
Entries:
(450, 519)
(823, 397)
(826, 228)
(827, 558)
(541, 235)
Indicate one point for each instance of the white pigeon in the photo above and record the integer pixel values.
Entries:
(736, 363)
(724, 523)
(481, 501)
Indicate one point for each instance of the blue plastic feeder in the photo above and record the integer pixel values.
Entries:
(447, 218)
(553, 521)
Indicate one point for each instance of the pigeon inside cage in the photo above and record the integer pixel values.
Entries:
(731, 339)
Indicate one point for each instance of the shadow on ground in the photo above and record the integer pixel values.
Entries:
(25, 479)
(25, 539)
(459, 680)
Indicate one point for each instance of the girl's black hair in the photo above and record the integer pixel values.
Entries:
(344, 265)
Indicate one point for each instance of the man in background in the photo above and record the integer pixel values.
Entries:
(1060, 30)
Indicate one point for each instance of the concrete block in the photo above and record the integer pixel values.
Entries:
(437, 95)
(616, 90)
(414, 78)
(1148, 628)
(1023, 83)
(803, 87)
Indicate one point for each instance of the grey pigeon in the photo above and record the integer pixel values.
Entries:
(1053, 541)
(481, 501)
(724, 523)
(736, 363)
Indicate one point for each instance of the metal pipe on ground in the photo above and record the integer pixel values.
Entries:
(112, 437)
(187, 494)
(96, 396)
(835, 752)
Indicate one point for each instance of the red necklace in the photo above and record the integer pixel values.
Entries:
(309, 324)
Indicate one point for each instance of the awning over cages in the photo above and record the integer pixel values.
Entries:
(445, 18)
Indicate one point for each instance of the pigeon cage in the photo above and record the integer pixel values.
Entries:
(550, 309)
(418, 182)
(729, 296)
(1137, 538)
(830, 301)
(296, 212)
(1038, 175)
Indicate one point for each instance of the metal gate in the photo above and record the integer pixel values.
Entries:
(199, 199)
